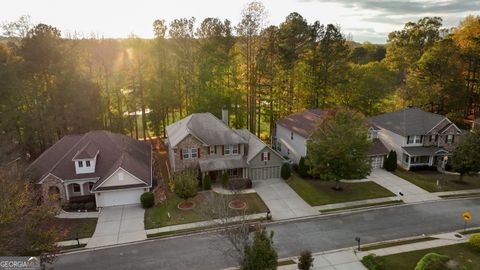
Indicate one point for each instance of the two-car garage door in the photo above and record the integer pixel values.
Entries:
(264, 173)
(119, 197)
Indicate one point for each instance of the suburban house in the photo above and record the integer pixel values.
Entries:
(204, 142)
(112, 169)
(420, 138)
(293, 132)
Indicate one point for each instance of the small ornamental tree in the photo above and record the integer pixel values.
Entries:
(466, 157)
(260, 254)
(285, 171)
(432, 261)
(305, 262)
(185, 184)
(391, 161)
(147, 199)
(302, 168)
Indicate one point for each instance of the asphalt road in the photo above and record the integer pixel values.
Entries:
(208, 251)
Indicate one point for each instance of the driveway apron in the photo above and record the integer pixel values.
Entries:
(283, 202)
(119, 224)
(411, 193)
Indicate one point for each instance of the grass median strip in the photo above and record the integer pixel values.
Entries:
(396, 243)
(467, 195)
(286, 262)
(68, 248)
(361, 206)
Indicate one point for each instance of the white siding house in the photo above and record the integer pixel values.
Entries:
(290, 144)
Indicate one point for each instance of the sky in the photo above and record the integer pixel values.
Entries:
(363, 20)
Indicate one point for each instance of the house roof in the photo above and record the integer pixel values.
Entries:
(255, 145)
(114, 151)
(377, 148)
(302, 123)
(89, 151)
(408, 121)
(204, 126)
(423, 151)
(222, 163)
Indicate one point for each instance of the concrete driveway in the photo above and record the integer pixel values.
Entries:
(411, 193)
(283, 202)
(119, 224)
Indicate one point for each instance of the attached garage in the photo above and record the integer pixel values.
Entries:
(377, 162)
(264, 173)
(118, 197)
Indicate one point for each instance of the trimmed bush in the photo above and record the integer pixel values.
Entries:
(391, 161)
(147, 199)
(302, 168)
(207, 182)
(474, 241)
(432, 261)
(90, 206)
(285, 172)
(373, 262)
(305, 262)
(184, 184)
(224, 179)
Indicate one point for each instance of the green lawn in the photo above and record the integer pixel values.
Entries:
(461, 253)
(81, 227)
(428, 180)
(316, 192)
(157, 216)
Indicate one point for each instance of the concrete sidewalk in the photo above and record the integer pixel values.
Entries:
(203, 224)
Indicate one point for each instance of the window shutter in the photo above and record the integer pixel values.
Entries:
(181, 153)
(408, 139)
(223, 150)
(446, 138)
(198, 152)
(453, 138)
(436, 137)
(268, 156)
(215, 149)
(238, 147)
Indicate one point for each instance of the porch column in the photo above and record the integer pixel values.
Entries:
(81, 189)
(67, 193)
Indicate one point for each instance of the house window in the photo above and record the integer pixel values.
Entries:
(433, 138)
(80, 164)
(212, 150)
(418, 139)
(186, 153)
(235, 149)
(449, 138)
(87, 163)
(420, 160)
(265, 156)
(288, 151)
(414, 139)
(279, 147)
(227, 150)
(234, 172)
(405, 158)
(76, 187)
(291, 135)
(193, 153)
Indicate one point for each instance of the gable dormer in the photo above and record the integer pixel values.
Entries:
(85, 159)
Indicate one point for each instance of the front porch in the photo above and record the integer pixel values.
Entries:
(78, 189)
(414, 157)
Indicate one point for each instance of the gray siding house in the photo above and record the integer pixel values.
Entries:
(204, 142)
(420, 138)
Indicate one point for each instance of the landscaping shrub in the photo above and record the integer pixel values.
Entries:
(81, 206)
(432, 261)
(391, 161)
(224, 179)
(305, 262)
(74, 206)
(260, 254)
(285, 171)
(474, 241)
(302, 168)
(90, 206)
(295, 167)
(184, 184)
(373, 262)
(147, 199)
(207, 182)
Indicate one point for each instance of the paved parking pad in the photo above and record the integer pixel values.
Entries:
(283, 202)
(119, 224)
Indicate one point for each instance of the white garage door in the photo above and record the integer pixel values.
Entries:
(119, 197)
(265, 173)
(377, 162)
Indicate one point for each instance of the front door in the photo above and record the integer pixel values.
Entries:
(213, 175)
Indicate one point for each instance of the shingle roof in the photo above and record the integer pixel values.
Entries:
(255, 145)
(222, 163)
(377, 148)
(115, 151)
(302, 123)
(423, 151)
(90, 150)
(408, 121)
(204, 126)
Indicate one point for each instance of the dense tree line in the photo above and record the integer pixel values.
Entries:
(52, 85)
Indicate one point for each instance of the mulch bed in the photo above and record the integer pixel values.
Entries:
(237, 205)
(186, 205)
